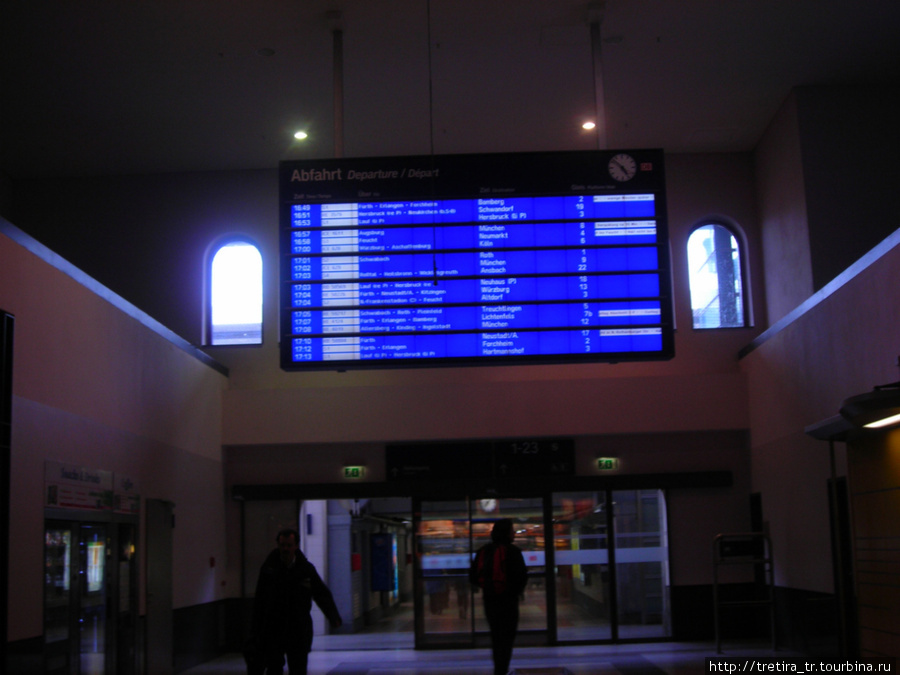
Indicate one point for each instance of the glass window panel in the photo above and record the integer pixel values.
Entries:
(716, 284)
(236, 295)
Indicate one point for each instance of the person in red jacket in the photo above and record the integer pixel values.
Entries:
(498, 569)
(282, 626)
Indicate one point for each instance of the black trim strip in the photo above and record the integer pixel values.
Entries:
(475, 486)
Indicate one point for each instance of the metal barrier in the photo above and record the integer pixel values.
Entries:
(745, 548)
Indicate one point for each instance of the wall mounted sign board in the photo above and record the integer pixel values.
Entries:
(460, 260)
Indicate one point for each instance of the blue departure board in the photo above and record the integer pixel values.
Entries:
(474, 259)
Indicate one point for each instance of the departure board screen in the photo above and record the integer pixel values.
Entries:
(474, 260)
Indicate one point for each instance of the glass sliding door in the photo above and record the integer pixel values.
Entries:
(93, 608)
(527, 515)
(584, 603)
(447, 535)
(608, 578)
(60, 649)
(77, 600)
(642, 564)
(611, 565)
(443, 598)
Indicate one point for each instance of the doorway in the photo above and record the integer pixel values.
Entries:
(448, 533)
(90, 597)
(597, 560)
(597, 567)
(611, 565)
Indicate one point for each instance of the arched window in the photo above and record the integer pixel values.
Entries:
(716, 279)
(235, 294)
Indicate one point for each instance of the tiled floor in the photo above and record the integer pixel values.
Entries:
(631, 659)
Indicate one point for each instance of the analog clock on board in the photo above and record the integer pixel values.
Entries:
(622, 167)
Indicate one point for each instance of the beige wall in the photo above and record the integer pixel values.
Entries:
(701, 388)
(784, 229)
(842, 343)
(294, 427)
(97, 387)
(116, 395)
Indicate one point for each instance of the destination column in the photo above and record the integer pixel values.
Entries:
(497, 338)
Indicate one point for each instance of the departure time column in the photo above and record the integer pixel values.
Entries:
(302, 322)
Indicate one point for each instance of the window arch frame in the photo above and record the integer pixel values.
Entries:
(212, 251)
(740, 239)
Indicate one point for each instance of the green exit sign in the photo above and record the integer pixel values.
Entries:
(354, 472)
(607, 463)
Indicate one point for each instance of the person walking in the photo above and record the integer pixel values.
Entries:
(498, 569)
(288, 584)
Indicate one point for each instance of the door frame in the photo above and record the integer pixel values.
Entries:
(159, 653)
(418, 584)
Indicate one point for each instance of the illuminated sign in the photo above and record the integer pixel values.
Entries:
(354, 472)
(474, 260)
(607, 463)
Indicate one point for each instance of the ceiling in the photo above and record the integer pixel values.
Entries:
(100, 87)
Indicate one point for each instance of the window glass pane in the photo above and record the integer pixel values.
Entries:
(717, 298)
(236, 295)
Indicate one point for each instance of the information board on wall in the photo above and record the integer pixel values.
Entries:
(67, 486)
(474, 260)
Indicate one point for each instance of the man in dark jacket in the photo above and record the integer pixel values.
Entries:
(499, 570)
(288, 584)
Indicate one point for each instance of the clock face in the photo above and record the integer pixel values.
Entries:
(622, 167)
(487, 505)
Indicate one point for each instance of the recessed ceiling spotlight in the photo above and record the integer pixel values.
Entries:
(301, 135)
(587, 126)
